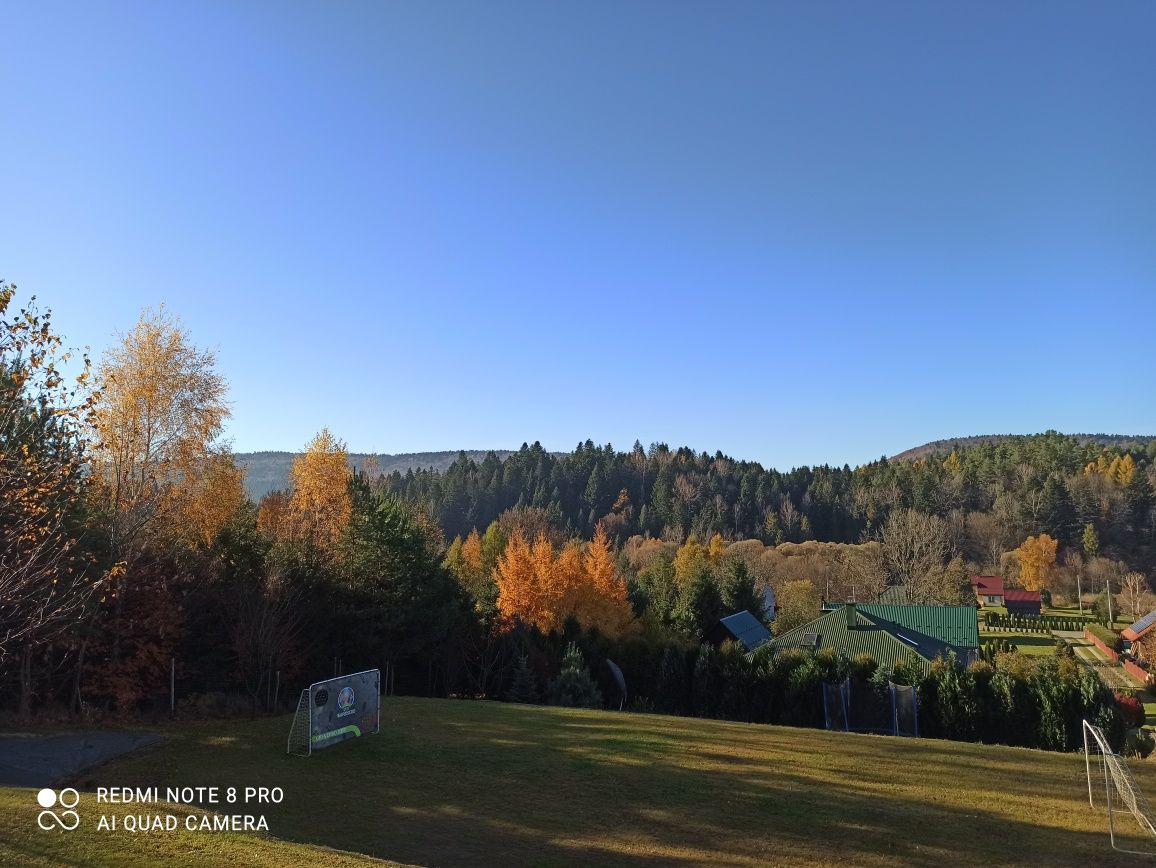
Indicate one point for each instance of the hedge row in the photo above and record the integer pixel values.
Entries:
(1109, 637)
(1028, 702)
(1032, 623)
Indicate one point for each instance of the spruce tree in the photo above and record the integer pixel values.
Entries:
(523, 689)
(574, 688)
(672, 681)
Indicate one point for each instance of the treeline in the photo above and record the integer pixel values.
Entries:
(1010, 699)
(131, 558)
(1006, 491)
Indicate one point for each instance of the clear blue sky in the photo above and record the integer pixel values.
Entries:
(797, 232)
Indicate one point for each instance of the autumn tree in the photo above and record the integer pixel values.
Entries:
(43, 580)
(521, 594)
(319, 504)
(213, 498)
(690, 560)
(1135, 588)
(158, 422)
(913, 544)
(608, 607)
(798, 602)
(1037, 560)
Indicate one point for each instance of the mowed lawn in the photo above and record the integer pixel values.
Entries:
(478, 783)
(1031, 644)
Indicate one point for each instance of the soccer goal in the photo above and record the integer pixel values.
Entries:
(335, 710)
(1121, 793)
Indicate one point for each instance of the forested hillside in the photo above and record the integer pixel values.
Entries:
(993, 494)
(935, 447)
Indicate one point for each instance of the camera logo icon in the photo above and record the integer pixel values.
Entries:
(67, 819)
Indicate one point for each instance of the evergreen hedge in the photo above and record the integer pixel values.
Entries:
(1109, 637)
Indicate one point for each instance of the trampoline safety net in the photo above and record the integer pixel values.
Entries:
(856, 706)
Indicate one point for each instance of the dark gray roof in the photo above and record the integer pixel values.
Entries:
(746, 629)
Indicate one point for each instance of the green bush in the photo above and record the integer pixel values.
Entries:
(1109, 637)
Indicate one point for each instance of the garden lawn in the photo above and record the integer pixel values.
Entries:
(1031, 644)
(479, 783)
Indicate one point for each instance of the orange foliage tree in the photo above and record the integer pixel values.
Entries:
(544, 590)
(158, 421)
(317, 511)
(1037, 559)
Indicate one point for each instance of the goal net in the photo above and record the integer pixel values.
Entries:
(1109, 770)
(335, 710)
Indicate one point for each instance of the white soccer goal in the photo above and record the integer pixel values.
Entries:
(299, 744)
(332, 711)
(1121, 792)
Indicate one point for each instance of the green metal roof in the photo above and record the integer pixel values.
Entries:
(895, 594)
(866, 635)
(956, 626)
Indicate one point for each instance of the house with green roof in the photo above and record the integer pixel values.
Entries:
(890, 632)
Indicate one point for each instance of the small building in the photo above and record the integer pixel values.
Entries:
(769, 606)
(914, 634)
(988, 591)
(1142, 636)
(741, 627)
(1021, 602)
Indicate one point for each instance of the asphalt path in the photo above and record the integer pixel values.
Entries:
(30, 760)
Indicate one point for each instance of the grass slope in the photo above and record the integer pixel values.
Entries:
(474, 783)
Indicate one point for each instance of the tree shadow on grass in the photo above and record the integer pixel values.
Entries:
(486, 785)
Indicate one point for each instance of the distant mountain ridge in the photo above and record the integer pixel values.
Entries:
(937, 447)
(269, 471)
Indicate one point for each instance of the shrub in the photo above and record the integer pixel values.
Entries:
(1144, 743)
(1131, 708)
(1109, 637)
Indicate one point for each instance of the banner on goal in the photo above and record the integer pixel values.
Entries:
(335, 710)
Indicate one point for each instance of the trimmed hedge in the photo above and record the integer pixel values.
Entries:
(1109, 637)
(1025, 701)
(1033, 623)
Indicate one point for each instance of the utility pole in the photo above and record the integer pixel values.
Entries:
(1108, 591)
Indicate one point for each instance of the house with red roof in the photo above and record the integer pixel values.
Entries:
(988, 591)
(1020, 602)
(1142, 635)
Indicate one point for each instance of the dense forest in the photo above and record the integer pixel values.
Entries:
(993, 495)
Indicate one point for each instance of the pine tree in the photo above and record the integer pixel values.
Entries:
(1091, 541)
(739, 592)
(523, 689)
(1138, 495)
(672, 681)
(574, 688)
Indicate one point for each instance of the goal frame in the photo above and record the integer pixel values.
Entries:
(1119, 785)
(303, 716)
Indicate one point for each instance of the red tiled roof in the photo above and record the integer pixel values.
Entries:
(1011, 596)
(987, 584)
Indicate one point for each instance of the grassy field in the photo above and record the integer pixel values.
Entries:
(473, 783)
